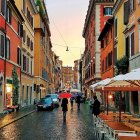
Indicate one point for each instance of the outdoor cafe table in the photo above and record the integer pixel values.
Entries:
(118, 127)
(135, 120)
(105, 117)
(128, 138)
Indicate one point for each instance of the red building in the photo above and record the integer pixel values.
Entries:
(10, 43)
(98, 13)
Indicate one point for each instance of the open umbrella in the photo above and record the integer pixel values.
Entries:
(65, 95)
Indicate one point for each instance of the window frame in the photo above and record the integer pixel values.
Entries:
(107, 11)
(2, 56)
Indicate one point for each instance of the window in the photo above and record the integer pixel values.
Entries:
(115, 54)
(132, 44)
(3, 6)
(31, 47)
(116, 28)
(127, 47)
(7, 52)
(19, 56)
(107, 11)
(31, 67)
(24, 62)
(2, 44)
(126, 13)
(8, 15)
(27, 67)
(24, 36)
(24, 6)
(28, 41)
(132, 4)
(20, 29)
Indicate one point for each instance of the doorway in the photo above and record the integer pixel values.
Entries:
(134, 99)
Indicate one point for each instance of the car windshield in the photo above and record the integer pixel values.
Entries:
(54, 96)
(48, 100)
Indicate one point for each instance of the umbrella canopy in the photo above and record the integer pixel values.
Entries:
(101, 83)
(65, 95)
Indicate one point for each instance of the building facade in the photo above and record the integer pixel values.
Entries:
(98, 12)
(10, 44)
(27, 10)
(67, 78)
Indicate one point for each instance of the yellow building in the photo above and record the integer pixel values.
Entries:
(27, 9)
(132, 47)
(119, 27)
(42, 54)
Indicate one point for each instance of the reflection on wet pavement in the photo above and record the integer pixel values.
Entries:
(50, 126)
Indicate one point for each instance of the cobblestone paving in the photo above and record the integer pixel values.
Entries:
(7, 118)
(49, 125)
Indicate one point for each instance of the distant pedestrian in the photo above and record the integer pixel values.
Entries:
(96, 106)
(78, 101)
(64, 108)
(71, 102)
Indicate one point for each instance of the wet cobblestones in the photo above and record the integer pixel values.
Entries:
(47, 125)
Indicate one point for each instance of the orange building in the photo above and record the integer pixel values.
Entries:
(106, 58)
(67, 77)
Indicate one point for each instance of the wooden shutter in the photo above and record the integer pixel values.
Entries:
(21, 30)
(132, 44)
(127, 47)
(126, 13)
(3, 2)
(2, 46)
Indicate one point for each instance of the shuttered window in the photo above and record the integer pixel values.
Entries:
(2, 44)
(127, 47)
(132, 44)
(24, 36)
(19, 56)
(116, 28)
(115, 54)
(7, 52)
(8, 15)
(24, 6)
(126, 13)
(24, 62)
(20, 29)
(2, 6)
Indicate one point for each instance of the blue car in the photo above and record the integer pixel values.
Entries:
(45, 104)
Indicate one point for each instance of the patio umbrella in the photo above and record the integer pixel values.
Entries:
(65, 95)
(126, 82)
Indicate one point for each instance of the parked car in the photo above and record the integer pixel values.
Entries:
(55, 99)
(45, 104)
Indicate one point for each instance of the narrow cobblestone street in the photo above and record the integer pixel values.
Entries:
(47, 125)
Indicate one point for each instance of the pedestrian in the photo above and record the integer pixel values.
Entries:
(71, 102)
(78, 101)
(64, 108)
(96, 106)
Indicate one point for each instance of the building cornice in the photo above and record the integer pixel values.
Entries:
(116, 6)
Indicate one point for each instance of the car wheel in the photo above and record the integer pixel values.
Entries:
(38, 109)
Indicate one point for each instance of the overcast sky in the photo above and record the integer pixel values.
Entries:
(67, 19)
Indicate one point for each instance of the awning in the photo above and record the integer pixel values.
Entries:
(101, 84)
(127, 82)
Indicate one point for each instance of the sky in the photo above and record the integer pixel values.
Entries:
(67, 18)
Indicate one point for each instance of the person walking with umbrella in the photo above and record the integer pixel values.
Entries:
(64, 103)
(64, 108)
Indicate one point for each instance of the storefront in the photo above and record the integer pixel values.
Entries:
(9, 92)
